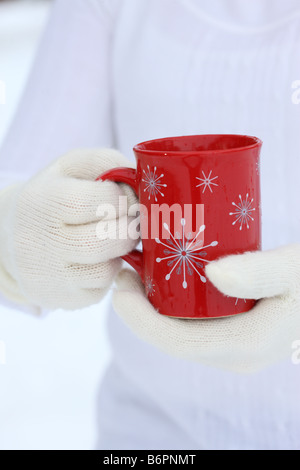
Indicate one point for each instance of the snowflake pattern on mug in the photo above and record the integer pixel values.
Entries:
(243, 212)
(236, 300)
(207, 182)
(153, 183)
(149, 286)
(183, 254)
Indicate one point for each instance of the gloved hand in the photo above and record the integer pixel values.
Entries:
(50, 255)
(243, 343)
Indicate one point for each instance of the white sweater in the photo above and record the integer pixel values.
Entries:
(117, 72)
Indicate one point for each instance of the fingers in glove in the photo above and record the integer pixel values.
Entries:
(132, 305)
(128, 279)
(83, 299)
(244, 343)
(81, 202)
(93, 276)
(81, 243)
(88, 164)
(257, 275)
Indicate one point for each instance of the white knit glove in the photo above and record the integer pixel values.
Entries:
(50, 255)
(243, 343)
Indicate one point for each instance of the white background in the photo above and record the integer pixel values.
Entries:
(53, 365)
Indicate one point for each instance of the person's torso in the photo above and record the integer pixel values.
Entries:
(178, 69)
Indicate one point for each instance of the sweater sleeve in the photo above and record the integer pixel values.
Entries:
(67, 100)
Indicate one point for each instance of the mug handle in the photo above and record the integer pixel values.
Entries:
(128, 176)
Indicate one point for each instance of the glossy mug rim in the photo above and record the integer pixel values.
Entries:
(140, 148)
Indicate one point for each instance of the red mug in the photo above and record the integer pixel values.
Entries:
(212, 184)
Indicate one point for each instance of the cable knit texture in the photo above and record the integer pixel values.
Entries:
(244, 343)
(49, 250)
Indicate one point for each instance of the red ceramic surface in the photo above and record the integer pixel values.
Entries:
(221, 172)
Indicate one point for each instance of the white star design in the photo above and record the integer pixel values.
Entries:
(243, 212)
(185, 255)
(207, 182)
(153, 184)
(149, 286)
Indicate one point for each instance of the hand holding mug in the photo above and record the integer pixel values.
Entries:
(268, 332)
(246, 343)
(200, 200)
